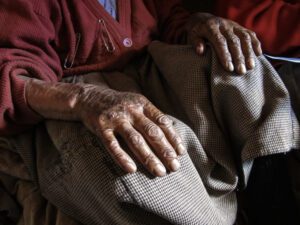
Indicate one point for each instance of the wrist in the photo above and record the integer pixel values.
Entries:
(53, 100)
(93, 98)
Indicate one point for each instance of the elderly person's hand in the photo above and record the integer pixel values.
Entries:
(235, 45)
(108, 114)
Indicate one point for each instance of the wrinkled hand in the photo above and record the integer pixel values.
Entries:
(235, 45)
(132, 117)
(108, 114)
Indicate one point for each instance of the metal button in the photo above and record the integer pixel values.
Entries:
(127, 42)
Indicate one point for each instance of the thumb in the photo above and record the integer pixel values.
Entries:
(199, 44)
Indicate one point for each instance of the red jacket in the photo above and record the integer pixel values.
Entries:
(276, 22)
(50, 39)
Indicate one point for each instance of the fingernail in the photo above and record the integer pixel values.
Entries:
(159, 170)
(260, 52)
(131, 167)
(181, 149)
(230, 66)
(251, 63)
(174, 165)
(242, 69)
(200, 49)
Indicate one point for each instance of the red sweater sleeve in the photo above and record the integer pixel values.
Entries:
(276, 22)
(172, 17)
(25, 51)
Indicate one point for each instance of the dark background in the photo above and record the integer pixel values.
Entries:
(198, 5)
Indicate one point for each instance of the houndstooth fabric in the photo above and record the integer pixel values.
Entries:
(228, 120)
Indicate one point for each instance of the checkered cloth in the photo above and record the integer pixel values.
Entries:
(228, 120)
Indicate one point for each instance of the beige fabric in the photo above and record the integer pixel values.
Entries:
(15, 179)
(230, 121)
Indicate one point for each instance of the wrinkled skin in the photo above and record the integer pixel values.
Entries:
(148, 133)
(137, 121)
(235, 45)
(108, 113)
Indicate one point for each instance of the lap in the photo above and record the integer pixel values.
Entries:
(77, 175)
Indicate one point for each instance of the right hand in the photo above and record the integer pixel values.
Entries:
(235, 45)
(108, 113)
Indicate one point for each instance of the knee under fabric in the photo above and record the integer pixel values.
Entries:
(227, 122)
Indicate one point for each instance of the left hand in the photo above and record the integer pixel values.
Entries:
(235, 45)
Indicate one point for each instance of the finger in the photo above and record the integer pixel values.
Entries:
(118, 154)
(200, 46)
(215, 37)
(156, 138)
(255, 43)
(140, 149)
(167, 127)
(221, 47)
(196, 40)
(246, 45)
(235, 49)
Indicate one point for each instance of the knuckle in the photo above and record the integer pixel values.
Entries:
(227, 56)
(122, 125)
(140, 98)
(113, 145)
(211, 29)
(252, 33)
(135, 139)
(154, 112)
(222, 22)
(113, 115)
(209, 22)
(131, 101)
(119, 156)
(149, 158)
(151, 108)
(169, 154)
(212, 21)
(240, 59)
(101, 119)
(246, 36)
(163, 120)
(176, 139)
(234, 40)
(220, 39)
(134, 111)
(106, 133)
(153, 131)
